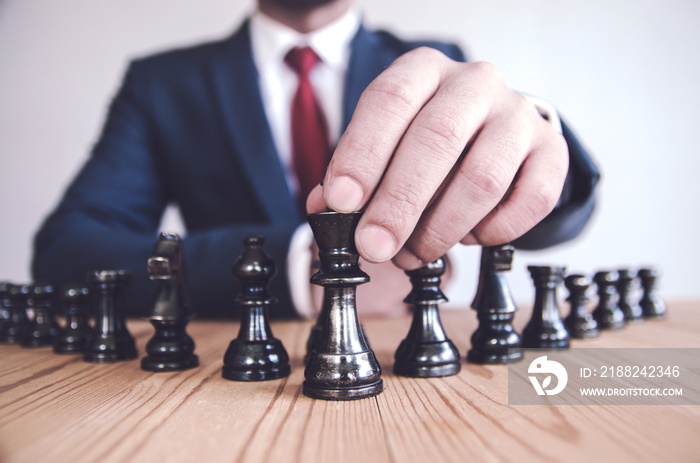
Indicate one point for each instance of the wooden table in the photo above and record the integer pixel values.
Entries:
(60, 409)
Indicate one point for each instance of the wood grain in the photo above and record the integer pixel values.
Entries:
(60, 409)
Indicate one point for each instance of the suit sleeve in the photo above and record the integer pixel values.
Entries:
(109, 218)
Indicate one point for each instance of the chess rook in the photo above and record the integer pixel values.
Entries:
(109, 341)
(74, 334)
(255, 355)
(630, 308)
(170, 348)
(495, 340)
(426, 352)
(15, 301)
(42, 328)
(341, 365)
(652, 304)
(579, 323)
(608, 313)
(546, 330)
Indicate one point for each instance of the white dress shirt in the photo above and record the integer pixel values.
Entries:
(271, 41)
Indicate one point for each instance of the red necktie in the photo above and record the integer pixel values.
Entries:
(310, 147)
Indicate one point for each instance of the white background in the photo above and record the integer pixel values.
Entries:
(624, 73)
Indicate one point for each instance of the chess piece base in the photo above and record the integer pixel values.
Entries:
(107, 349)
(581, 327)
(632, 314)
(12, 333)
(584, 334)
(342, 393)
(611, 325)
(39, 336)
(546, 344)
(11, 337)
(342, 376)
(70, 343)
(427, 359)
(255, 374)
(654, 315)
(33, 342)
(158, 365)
(427, 371)
(109, 357)
(255, 361)
(67, 348)
(493, 358)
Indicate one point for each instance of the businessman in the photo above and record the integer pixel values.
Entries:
(436, 151)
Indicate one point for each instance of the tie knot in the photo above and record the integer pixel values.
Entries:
(302, 60)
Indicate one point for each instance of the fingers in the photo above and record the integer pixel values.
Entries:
(404, 162)
(532, 198)
(438, 153)
(426, 155)
(382, 116)
(315, 202)
(508, 181)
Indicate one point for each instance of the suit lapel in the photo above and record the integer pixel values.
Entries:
(238, 96)
(367, 60)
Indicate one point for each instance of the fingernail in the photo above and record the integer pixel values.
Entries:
(376, 243)
(344, 194)
(406, 260)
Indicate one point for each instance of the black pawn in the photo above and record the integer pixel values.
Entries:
(630, 308)
(495, 341)
(546, 329)
(42, 328)
(109, 341)
(341, 365)
(12, 330)
(608, 313)
(652, 304)
(73, 336)
(170, 348)
(579, 323)
(426, 352)
(255, 355)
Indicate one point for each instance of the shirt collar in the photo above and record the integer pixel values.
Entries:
(271, 40)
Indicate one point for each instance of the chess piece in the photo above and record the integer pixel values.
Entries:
(5, 304)
(607, 313)
(341, 366)
(546, 330)
(109, 341)
(630, 308)
(73, 336)
(170, 348)
(495, 341)
(255, 355)
(12, 330)
(42, 328)
(580, 324)
(426, 352)
(652, 304)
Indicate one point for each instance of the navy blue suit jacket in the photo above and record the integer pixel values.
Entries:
(188, 127)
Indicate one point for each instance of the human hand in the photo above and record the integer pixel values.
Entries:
(440, 152)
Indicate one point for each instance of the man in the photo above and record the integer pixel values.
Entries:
(436, 151)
